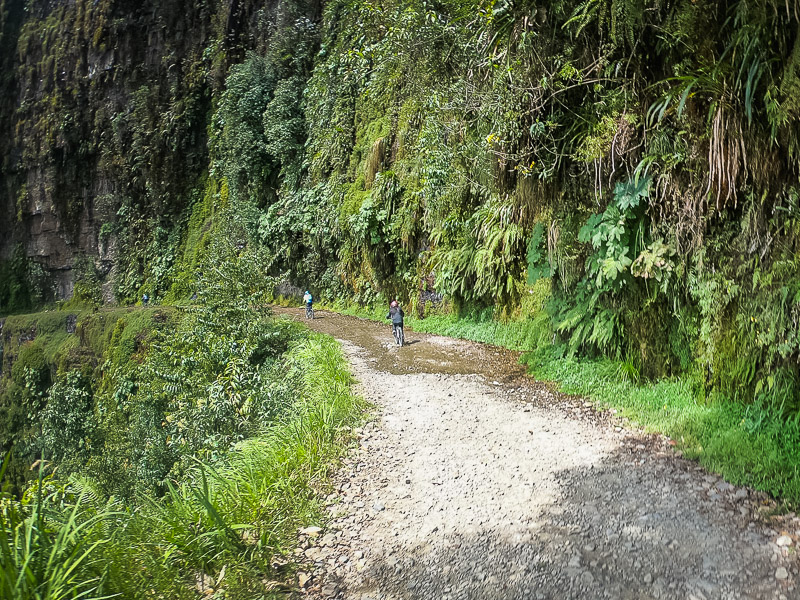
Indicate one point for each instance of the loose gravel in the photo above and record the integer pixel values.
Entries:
(476, 482)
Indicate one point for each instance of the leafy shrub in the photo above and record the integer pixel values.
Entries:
(592, 318)
(23, 283)
(68, 422)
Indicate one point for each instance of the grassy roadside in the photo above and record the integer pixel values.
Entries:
(250, 505)
(746, 444)
(225, 530)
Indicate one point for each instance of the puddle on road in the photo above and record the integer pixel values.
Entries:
(423, 353)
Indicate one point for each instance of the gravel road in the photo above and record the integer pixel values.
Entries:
(474, 481)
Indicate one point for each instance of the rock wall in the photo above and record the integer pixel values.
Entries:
(105, 107)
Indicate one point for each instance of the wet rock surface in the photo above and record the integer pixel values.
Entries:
(475, 482)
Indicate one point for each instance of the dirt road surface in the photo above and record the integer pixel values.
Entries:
(474, 481)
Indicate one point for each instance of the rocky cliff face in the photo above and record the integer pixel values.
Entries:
(103, 118)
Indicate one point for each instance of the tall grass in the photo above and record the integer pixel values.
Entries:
(223, 526)
(222, 530)
(51, 545)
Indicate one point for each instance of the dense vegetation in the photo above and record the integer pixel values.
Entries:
(177, 449)
(598, 178)
(642, 158)
(225, 526)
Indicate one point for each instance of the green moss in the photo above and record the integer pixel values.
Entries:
(48, 329)
(31, 359)
(363, 160)
(354, 197)
(597, 144)
(195, 243)
(120, 334)
(409, 121)
(116, 334)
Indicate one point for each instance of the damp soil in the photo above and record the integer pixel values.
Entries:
(422, 353)
(474, 481)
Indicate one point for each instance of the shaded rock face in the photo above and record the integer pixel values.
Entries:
(74, 71)
(104, 112)
(47, 237)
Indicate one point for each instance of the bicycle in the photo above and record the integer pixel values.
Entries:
(397, 332)
(309, 311)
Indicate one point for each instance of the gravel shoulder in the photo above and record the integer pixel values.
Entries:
(474, 481)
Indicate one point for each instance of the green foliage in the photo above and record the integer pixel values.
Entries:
(485, 267)
(393, 172)
(228, 520)
(199, 391)
(225, 519)
(240, 120)
(621, 18)
(51, 545)
(87, 282)
(68, 422)
(47, 396)
(32, 377)
(538, 265)
(259, 127)
(23, 283)
(615, 236)
(196, 240)
(400, 148)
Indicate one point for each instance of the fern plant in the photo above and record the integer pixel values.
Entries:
(592, 320)
(620, 17)
(485, 266)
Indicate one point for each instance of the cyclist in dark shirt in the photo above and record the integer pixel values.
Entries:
(396, 314)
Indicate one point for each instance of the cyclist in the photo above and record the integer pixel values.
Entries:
(308, 300)
(396, 315)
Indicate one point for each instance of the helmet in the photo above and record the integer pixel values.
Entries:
(306, 291)
(393, 303)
